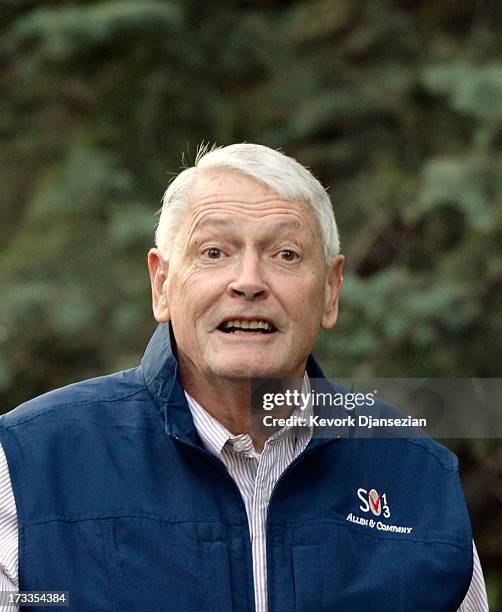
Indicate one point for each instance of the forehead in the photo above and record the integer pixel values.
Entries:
(231, 195)
(221, 182)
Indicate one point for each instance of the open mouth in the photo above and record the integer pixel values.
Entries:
(256, 326)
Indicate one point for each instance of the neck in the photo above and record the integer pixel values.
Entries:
(228, 401)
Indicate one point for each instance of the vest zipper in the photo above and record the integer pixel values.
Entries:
(223, 468)
(295, 461)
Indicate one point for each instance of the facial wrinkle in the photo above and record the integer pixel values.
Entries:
(251, 212)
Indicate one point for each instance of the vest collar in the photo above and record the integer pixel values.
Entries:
(160, 371)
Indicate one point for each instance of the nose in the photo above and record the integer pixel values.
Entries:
(249, 282)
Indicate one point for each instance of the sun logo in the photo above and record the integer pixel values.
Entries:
(375, 500)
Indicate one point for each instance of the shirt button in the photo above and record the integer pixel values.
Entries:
(239, 446)
(264, 495)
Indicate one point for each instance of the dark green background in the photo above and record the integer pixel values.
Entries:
(395, 106)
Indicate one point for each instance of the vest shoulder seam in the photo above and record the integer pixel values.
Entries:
(453, 468)
(43, 412)
(425, 447)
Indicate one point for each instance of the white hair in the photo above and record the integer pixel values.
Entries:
(280, 173)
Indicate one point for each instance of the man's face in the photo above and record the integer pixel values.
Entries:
(246, 286)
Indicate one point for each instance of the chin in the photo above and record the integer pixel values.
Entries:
(239, 370)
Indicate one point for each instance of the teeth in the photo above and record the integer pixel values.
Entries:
(240, 324)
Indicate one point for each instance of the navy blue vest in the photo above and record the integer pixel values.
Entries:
(121, 505)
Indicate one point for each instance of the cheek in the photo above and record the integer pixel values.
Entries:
(179, 298)
(181, 278)
(193, 293)
(306, 299)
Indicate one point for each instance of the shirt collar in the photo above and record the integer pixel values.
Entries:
(215, 436)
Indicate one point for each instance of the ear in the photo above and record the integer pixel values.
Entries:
(334, 282)
(158, 269)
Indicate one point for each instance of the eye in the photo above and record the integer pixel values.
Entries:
(212, 253)
(288, 255)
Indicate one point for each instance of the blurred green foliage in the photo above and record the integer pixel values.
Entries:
(395, 105)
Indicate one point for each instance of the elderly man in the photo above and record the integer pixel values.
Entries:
(149, 488)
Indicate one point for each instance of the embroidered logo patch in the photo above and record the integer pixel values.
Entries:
(374, 502)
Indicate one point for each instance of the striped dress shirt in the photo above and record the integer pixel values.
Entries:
(255, 474)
